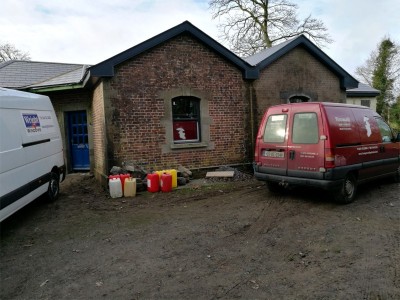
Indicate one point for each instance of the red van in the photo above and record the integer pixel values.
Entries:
(327, 145)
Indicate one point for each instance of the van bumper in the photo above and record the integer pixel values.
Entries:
(286, 180)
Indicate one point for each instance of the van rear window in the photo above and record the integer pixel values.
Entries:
(305, 128)
(275, 130)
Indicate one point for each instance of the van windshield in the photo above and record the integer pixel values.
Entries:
(305, 128)
(275, 130)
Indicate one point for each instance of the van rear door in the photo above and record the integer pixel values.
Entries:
(305, 145)
(272, 141)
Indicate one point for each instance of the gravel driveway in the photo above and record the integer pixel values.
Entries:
(231, 240)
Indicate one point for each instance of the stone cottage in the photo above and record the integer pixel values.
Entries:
(179, 98)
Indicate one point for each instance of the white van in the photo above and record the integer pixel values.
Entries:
(31, 153)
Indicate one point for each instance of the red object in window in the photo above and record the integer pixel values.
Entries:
(185, 131)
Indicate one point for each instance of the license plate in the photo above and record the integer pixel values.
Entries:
(274, 154)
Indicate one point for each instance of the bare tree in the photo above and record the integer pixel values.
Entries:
(9, 52)
(252, 25)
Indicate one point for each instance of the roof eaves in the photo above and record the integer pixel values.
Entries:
(362, 94)
(106, 68)
(54, 88)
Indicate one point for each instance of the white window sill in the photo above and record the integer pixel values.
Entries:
(188, 145)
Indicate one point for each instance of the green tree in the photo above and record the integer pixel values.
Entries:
(9, 52)
(394, 115)
(250, 26)
(382, 79)
(382, 71)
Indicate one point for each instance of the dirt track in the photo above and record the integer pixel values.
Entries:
(226, 241)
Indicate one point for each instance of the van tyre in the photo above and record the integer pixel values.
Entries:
(347, 191)
(54, 187)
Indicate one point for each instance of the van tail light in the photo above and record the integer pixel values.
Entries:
(329, 158)
(256, 150)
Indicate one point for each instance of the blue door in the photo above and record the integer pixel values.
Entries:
(79, 140)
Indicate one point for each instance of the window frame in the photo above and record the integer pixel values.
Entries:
(381, 123)
(196, 117)
(294, 133)
(364, 101)
(273, 139)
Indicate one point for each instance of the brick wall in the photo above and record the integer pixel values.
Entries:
(139, 92)
(67, 101)
(296, 73)
(99, 163)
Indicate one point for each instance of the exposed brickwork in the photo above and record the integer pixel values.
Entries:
(296, 73)
(99, 133)
(68, 101)
(135, 127)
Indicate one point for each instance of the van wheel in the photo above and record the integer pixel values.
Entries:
(54, 187)
(347, 192)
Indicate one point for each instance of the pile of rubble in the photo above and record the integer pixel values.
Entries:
(237, 175)
(184, 175)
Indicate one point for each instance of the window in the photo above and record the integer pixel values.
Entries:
(305, 128)
(275, 130)
(186, 119)
(366, 103)
(385, 130)
(299, 99)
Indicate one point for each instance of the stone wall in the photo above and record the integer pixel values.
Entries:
(297, 73)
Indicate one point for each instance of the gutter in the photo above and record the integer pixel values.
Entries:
(57, 88)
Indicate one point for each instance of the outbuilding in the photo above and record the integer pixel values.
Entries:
(181, 98)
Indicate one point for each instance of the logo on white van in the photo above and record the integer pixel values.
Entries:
(38, 122)
(32, 123)
(367, 126)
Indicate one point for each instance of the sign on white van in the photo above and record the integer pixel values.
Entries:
(38, 122)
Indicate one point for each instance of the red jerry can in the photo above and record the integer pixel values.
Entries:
(153, 183)
(166, 183)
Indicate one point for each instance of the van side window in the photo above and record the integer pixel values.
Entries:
(386, 132)
(305, 128)
(275, 130)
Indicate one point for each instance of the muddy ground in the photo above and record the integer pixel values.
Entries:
(220, 241)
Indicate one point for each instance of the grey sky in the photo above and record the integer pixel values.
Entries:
(88, 32)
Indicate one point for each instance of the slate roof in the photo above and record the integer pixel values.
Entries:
(17, 74)
(363, 90)
(35, 75)
(106, 68)
(266, 57)
(258, 58)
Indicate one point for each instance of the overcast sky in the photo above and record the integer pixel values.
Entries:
(90, 31)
